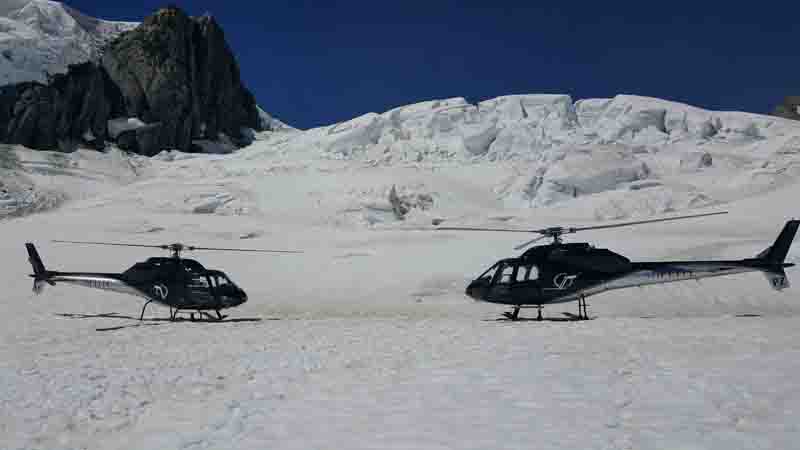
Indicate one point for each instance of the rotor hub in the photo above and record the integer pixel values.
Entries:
(177, 248)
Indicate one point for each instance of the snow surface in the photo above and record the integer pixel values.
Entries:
(366, 340)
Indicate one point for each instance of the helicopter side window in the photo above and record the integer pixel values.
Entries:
(533, 273)
(507, 275)
(522, 273)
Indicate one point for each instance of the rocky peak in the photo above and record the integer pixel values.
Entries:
(173, 73)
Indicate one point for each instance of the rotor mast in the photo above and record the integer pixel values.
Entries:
(176, 249)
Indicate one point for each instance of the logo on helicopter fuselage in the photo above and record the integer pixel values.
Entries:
(563, 281)
(161, 291)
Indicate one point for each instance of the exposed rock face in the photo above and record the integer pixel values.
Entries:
(175, 73)
(74, 107)
(790, 109)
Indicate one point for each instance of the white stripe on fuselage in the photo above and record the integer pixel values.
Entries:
(98, 282)
(663, 274)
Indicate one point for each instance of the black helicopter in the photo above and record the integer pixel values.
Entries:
(179, 283)
(562, 272)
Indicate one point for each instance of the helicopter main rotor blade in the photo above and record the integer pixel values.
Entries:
(242, 250)
(111, 243)
(525, 244)
(638, 222)
(486, 229)
(178, 247)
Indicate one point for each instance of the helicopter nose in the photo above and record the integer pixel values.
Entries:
(472, 291)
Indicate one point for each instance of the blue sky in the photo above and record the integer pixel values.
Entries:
(314, 65)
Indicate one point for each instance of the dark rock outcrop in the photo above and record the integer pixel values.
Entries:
(789, 109)
(73, 107)
(173, 72)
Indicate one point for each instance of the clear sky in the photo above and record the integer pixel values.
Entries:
(316, 63)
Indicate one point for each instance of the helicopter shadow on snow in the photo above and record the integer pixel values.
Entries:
(152, 321)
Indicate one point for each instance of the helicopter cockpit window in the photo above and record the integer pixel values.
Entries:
(199, 281)
(222, 283)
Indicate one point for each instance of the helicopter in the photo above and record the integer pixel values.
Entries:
(561, 272)
(181, 284)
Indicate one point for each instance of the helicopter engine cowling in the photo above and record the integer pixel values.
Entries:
(582, 256)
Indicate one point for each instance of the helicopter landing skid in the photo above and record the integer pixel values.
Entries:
(514, 315)
(202, 315)
(583, 312)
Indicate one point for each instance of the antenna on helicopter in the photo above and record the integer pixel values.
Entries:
(555, 233)
(177, 248)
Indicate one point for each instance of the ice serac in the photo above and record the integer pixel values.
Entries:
(174, 74)
(628, 153)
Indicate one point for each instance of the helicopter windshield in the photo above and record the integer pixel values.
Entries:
(489, 274)
(221, 281)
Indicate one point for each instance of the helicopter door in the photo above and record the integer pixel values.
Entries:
(504, 278)
(526, 282)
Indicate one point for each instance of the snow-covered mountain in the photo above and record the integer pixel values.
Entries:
(41, 37)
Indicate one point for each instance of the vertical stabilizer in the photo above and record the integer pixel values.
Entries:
(40, 274)
(776, 253)
(35, 260)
